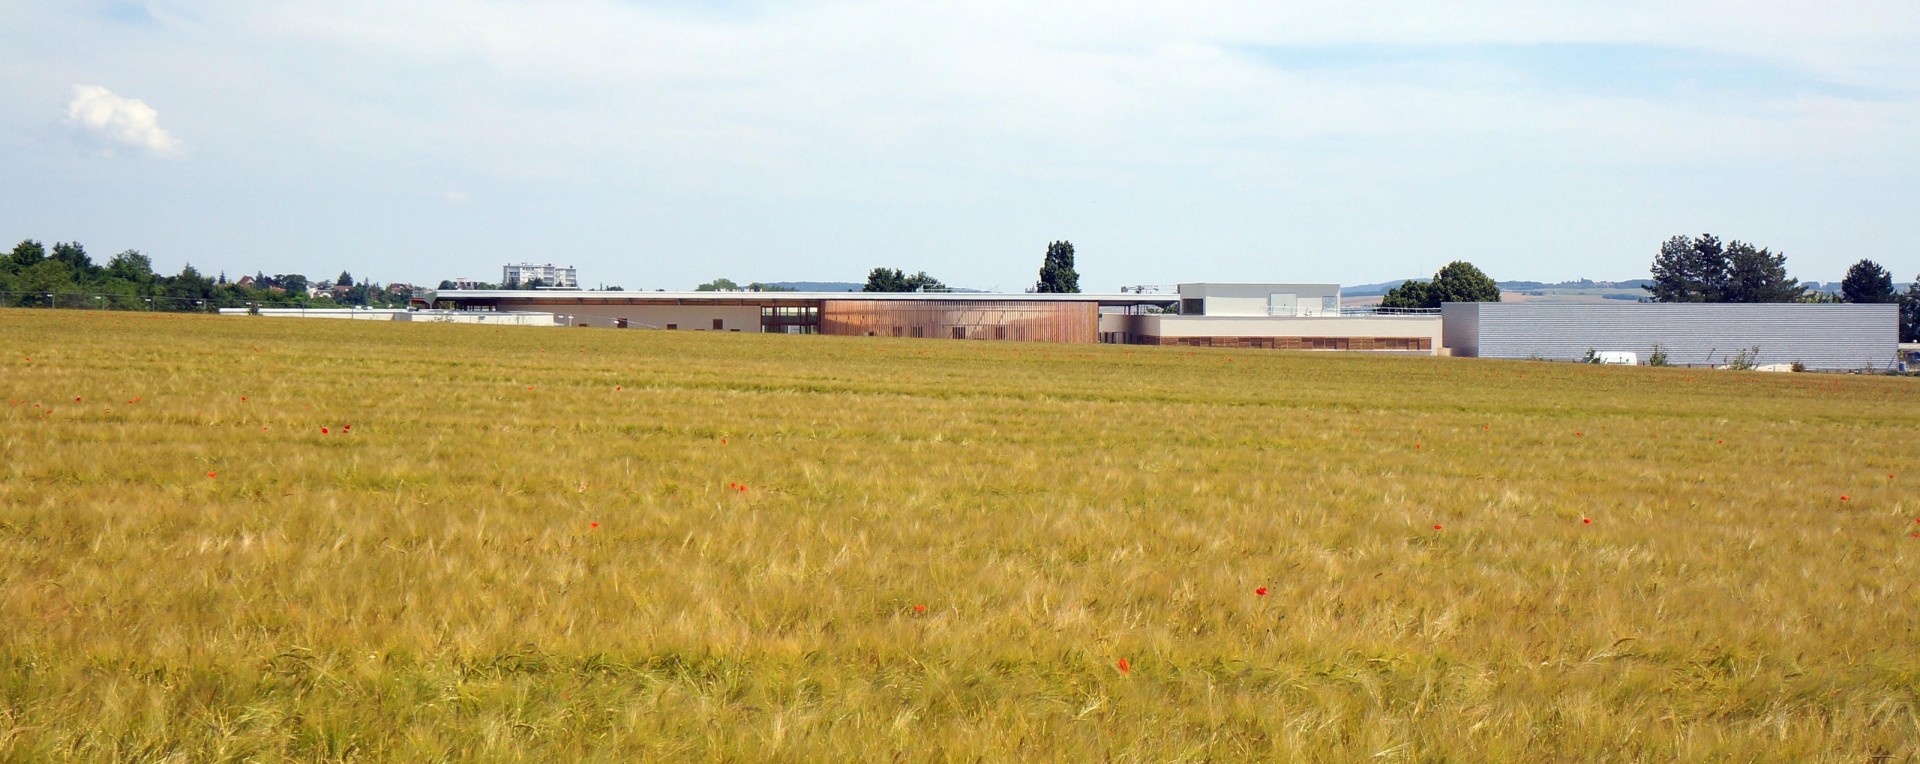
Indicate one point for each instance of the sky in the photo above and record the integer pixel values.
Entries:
(663, 144)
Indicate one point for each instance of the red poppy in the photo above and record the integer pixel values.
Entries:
(1262, 591)
(76, 399)
(243, 399)
(723, 441)
(323, 431)
(594, 525)
(919, 608)
(1436, 527)
(616, 388)
(1843, 497)
(1578, 434)
(210, 474)
(1125, 667)
(346, 427)
(1586, 520)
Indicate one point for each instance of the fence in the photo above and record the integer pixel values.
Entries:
(101, 301)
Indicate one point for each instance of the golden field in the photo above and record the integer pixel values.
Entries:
(517, 544)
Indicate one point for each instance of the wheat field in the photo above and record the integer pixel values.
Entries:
(264, 539)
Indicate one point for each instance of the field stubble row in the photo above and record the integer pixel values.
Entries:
(531, 544)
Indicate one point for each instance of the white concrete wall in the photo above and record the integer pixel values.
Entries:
(745, 318)
(1427, 326)
(1255, 299)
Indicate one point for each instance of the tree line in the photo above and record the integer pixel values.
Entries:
(1057, 275)
(31, 272)
(1703, 269)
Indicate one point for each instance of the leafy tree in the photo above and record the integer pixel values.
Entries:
(346, 279)
(718, 285)
(131, 266)
(1458, 281)
(294, 283)
(26, 254)
(76, 259)
(893, 280)
(1910, 312)
(47, 276)
(886, 280)
(1056, 272)
(1410, 294)
(445, 284)
(1757, 275)
(1867, 282)
(760, 287)
(1689, 270)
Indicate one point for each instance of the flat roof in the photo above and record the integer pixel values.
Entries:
(584, 297)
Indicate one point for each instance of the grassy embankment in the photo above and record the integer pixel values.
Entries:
(530, 545)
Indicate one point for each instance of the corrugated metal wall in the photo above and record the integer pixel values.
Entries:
(1820, 336)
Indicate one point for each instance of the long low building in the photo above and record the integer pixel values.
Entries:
(947, 315)
(1278, 316)
(1818, 336)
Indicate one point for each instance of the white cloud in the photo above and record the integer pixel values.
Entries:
(122, 121)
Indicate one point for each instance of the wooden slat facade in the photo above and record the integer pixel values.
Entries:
(1020, 321)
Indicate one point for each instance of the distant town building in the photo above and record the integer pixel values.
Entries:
(549, 275)
(463, 282)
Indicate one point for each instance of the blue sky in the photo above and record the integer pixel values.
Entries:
(658, 145)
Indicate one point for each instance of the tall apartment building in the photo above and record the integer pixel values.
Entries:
(550, 275)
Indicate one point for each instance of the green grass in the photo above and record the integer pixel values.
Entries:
(432, 585)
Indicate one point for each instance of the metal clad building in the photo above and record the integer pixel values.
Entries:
(1834, 337)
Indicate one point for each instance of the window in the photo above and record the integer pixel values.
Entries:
(719, 324)
(673, 326)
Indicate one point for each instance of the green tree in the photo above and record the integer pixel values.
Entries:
(894, 280)
(1757, 275)
(76, 259)
(886, 280)
(48, 276)
(1689, 270)
(1056, 272)
(1410, 294)
(718, 285)
(1867, 282)
(760, 287)
(132, 267)
(1910, 312)
(1458, 281)
(346, 279)
(294, 283)
(26, 254)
